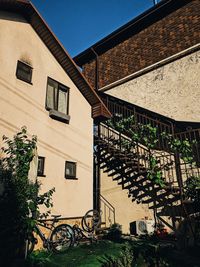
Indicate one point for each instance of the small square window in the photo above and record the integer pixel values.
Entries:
(24, 72)
(40, 171)
(70, 170)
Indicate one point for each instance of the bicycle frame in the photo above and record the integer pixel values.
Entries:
(38, 231)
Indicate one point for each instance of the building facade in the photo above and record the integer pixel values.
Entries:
(152, 62)
(42, 89)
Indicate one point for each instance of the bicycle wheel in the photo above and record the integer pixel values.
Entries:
(91, 220)
(82, 238)
(78, 235)
(62, 238)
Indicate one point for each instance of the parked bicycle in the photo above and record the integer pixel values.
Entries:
(60, 237)
(63, 236)
(89, 223)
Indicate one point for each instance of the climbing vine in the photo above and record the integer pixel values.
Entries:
(192, 189)
(147, 135)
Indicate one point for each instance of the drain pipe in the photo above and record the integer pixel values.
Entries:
(96, 164)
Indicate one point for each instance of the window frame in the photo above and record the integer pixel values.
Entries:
(41, 174)
(19, 62)
(71, 177)
(55, 101)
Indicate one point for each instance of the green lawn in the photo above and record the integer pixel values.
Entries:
(83, 256)
(144, 253)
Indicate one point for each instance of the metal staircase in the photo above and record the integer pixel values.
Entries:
(127, 162)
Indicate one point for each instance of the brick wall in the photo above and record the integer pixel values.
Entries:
(175, 32)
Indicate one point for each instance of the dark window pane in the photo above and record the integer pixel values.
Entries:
(40, 171)
(24, 72)
(70, 169)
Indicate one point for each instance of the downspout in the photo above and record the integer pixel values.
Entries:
(96, 176)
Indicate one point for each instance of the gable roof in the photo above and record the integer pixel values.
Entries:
(150, 16)
(30, 13)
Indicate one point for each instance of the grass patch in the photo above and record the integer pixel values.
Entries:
(95, 255)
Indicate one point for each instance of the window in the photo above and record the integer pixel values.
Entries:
(70, 170)
(57, 101)
(40, 171)
(24, 72)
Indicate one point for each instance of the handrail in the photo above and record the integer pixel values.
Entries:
(122, 137)
(128, 109)
(140, 152)
(107, 202)
(110, 208)
(188, 134)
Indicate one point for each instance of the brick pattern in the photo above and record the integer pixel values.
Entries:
(174, 33)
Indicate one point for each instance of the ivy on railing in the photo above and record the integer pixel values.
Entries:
(149, 136)
(192, 189)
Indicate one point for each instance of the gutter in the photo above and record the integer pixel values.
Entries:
(154, 66)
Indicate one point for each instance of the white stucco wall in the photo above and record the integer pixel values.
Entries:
(24, 104)
(172, 90)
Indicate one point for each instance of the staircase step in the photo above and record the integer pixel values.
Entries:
(165, 203)
(133, 182)
(113, 174)
(161, 195)
(135, 176)
(124, 181)
(117, 178)
(110, 165)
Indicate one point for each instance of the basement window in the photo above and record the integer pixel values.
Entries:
(40, 170)
(70, 170)
(57, 100)
(24, 72)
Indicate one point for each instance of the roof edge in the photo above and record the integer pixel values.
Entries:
(29, 11)
(115, 37)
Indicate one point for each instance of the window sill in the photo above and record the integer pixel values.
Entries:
(41, 175)
(71, 178)
(24, 80)
(56, 115)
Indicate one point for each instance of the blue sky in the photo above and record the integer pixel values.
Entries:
(80, 23)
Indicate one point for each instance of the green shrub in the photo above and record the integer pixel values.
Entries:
(19, 198)
(114, 232)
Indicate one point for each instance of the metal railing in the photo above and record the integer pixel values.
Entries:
(107, 212)
(122, 110)
(138, 152)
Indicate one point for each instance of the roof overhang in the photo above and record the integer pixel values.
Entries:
(30, 13)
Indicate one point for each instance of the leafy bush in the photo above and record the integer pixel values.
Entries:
(192, 189)
(19, 197)
(114, 232)
(39, 258)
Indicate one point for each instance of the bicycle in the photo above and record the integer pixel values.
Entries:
(89, 223)
(59, 240)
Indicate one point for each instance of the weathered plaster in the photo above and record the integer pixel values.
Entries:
(172, 90)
